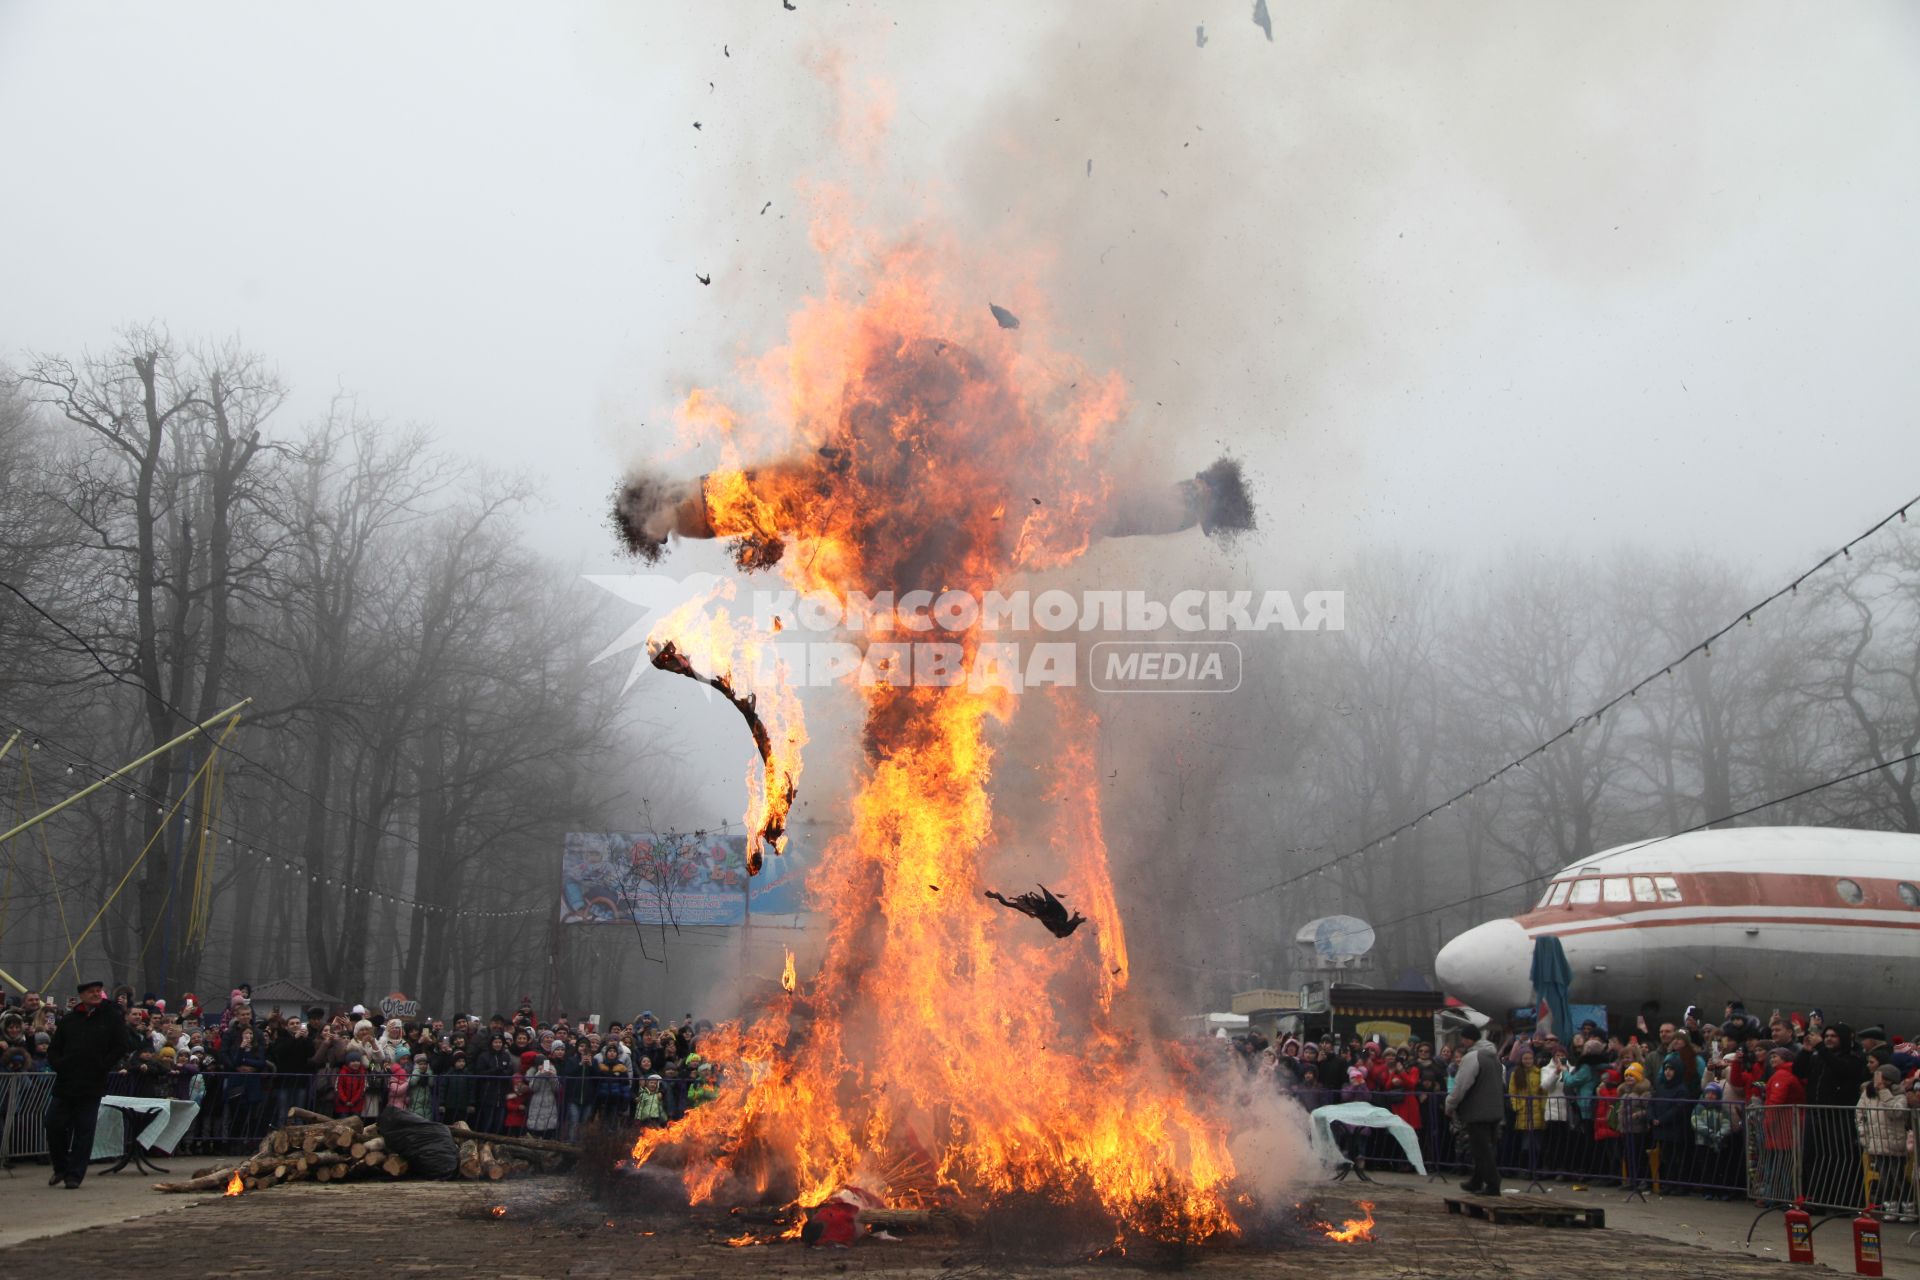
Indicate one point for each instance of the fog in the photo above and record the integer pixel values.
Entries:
(1499, 305)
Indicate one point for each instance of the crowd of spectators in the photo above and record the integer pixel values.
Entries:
(245, 1065)
(1691, 1107)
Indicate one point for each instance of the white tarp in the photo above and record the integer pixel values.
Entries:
(1363, 1115)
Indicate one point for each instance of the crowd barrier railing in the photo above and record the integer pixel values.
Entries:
(237, 1109)
(1833, 1159)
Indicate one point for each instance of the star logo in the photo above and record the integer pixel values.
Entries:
(657, 595)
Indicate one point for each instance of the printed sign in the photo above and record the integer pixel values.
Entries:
(398, 1006)
(626, 877)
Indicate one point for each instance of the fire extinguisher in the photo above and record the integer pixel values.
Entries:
(1799, 1234)
(1866, 1243)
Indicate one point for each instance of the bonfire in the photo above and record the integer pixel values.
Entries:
(910, 443)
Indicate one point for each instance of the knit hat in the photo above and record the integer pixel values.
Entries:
(362, 1025)
(1635, 1071)
(167, 1052)
(528, 1058)
(1890, 1073)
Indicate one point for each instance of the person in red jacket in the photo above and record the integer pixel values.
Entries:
(1404, 1083)
(1606, 1138)
(517, 1093)
(1785, 1094)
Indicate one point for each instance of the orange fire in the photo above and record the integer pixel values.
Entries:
(929, 450)
(741, 1241)
(497, 1211)
(234, 1185)
(788, 982)
(1353, 1229)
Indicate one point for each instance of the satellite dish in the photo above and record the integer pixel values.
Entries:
(1337, 938)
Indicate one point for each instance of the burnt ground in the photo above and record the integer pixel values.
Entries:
(550, 1228)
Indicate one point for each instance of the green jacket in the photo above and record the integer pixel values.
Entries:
(647, 1105)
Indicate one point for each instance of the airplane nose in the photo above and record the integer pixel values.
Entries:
(1488, 966)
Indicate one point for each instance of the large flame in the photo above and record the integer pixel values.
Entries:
(234, 1184)
(930, 450)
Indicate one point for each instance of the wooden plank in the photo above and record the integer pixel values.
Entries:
(1528, 1211)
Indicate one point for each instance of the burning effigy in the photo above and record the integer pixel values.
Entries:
(924, 446)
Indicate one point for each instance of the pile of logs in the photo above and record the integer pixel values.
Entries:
(323, 1149)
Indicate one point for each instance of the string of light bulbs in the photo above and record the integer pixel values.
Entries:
(270, 859)
(1703, 648)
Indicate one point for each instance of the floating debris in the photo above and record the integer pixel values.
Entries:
(1200, 36)
(1045, 908)
(702, 279)
(1007, 319)
(1261, 19)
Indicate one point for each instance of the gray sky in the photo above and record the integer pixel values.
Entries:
(1609, 273)
(1448, 276)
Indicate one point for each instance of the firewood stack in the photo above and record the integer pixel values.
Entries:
(324, 1149)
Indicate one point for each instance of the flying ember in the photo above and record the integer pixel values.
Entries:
(919, 445)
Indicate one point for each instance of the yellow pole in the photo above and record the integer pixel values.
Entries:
(38, 818)
(13, 982)
(9, 744)
(159, 830)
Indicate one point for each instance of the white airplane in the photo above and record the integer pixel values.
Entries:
(1788, 918)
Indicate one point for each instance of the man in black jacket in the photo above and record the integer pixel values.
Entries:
(1833, 1074)
(88, 1042)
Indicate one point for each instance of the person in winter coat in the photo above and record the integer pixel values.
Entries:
(543, 1094)
(1477, 1101)
(1560, 1149)
(1405, 1084)
(518, 1091)
(1780, 1120)
(648, 1107)
(1671, 1122)
(1883, 1124)
(89, 1041)
(399, 1078)
(244, 1084)
(457, 1092)
(1608, 1140)
(1526, 1111)
(492, 1070)
(350, 1084)
(1833, 1073)
(613, 1085)
(1714, 1150)
(420, 1084)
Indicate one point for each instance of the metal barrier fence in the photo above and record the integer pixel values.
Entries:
(23, 1103)
(237, 1109)
(1833, 1158)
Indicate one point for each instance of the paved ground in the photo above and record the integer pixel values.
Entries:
(29, 1208)
(551, 1229)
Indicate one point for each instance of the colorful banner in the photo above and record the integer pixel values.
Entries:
(624, 877)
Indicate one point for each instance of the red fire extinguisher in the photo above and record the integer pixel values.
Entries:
(1799, 1234)
(1866, 1243)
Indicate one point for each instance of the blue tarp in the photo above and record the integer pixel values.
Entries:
(1552, 980)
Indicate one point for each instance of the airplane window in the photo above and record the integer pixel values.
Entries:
(1910, 894)
(1643, 889)
(1559, 894)
(1850, 893)
(1669, 888)
(1546, 899)
(1585, 891)
(1615, 889)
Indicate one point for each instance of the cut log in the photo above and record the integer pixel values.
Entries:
(517, 1140)
(214, 1181)
(357, 1150)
